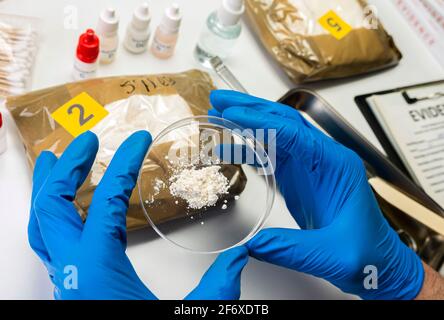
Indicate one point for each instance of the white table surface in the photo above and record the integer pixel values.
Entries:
(170, 272)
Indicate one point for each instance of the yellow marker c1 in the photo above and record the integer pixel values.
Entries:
(334, 24)
(79, 114)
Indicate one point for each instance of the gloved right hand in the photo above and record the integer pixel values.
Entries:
(325, 188)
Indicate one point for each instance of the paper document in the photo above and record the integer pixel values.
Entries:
(426, 18)
(416, 131)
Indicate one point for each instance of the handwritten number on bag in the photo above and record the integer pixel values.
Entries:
(82, 119)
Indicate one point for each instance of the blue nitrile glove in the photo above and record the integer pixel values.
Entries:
(325, 188)
(88, 261)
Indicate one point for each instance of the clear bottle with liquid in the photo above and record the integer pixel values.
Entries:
(220, 32)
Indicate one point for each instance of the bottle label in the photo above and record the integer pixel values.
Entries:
(139, 44)
(107, 54)
(84, 74)
(162, 47)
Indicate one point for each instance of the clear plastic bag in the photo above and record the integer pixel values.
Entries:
(18, 47)
(307, 50)
(134, 103)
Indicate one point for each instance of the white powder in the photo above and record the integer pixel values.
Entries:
(199, 187)
(158, 185)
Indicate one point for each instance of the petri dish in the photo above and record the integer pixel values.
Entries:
(207, 184)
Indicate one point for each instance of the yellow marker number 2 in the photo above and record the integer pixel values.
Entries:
(79, 114)
(82, 119)
(334, 24)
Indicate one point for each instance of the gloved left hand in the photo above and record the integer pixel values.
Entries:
(88, 260)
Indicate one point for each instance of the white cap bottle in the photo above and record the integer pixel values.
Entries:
(230, 12)
(165, 37)
(138, 30)
(220, 32)
(107, 30)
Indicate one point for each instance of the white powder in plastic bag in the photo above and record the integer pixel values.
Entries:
(309, 11)
(138, 112)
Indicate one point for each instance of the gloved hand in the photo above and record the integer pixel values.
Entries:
(88, 261)
(325, 188)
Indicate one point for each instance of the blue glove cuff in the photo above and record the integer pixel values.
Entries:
(401, 278)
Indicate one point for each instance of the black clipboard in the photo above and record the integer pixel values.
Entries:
(371, 119)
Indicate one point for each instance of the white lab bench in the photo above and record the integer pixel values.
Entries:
(170, 272)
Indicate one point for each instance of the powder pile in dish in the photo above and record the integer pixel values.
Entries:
(199, 187)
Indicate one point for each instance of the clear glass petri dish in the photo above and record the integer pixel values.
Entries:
(207, 184)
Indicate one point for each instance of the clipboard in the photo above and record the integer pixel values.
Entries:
(371, 119)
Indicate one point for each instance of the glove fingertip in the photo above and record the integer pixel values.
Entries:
(81, 152)
(89, 138)
(46, 155)
(234, 113)
(143, 134)
(237, 256)
(44, 163)
(138, 144)
(214, 113)
(221, 99)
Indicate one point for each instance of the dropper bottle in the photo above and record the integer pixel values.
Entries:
(165, 37)
(138, 31)
(2, 135)
(85, 62)
(220, 32)
(107, 30)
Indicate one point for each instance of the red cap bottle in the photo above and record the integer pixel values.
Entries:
(88, 47)
(2, 135)
(85, 63)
